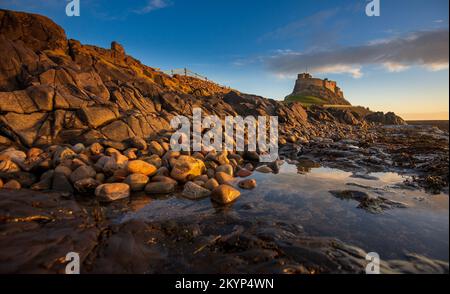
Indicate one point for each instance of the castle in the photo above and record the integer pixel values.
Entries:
(305, 82)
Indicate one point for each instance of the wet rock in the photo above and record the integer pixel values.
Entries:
(86, 186)
(364, 176)
(251, 155)
(160, 188)
(12, 185)
(194, 191)
(60, 183)
(225, 194)
(211, 184)
(119, 175)
(136, 182)
(82, 172)
(223, 178)
(247, 184)
(249, 166)
(186, 167)
(113, 191)
(243, 173)
(141, 167)
(164, 179)
(64, 170)
(369, 203)
(45, 182)
(264, 169)
(226, 168)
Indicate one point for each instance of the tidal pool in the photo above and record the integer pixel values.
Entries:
(304, 200)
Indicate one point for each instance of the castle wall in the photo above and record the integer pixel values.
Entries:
(301, 84)
(324, 88)
(305, 81)
(331, 85)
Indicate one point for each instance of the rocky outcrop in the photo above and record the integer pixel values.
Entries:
(54, 90)
(389, 118)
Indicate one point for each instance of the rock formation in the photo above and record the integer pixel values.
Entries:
(54, 90)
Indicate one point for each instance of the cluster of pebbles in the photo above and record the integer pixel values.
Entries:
(111, 174)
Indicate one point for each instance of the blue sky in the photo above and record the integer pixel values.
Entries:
(397, 61)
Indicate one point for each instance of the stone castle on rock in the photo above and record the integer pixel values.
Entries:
(328, 90)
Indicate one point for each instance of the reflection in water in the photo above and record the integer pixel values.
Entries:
(304, 199)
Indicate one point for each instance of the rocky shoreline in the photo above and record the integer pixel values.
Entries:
(84, 139)
(50, 192)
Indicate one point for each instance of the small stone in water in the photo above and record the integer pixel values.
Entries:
(225, 194)
(264, 169)
(136, 182)
(194, 191)
(113, 191)
(247, 184)
(159, 188)
(211, 184)
(243, 173)
(223, 178)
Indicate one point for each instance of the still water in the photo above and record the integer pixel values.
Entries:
(301, 196)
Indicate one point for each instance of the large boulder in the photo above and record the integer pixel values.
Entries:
(186, 168)
(36, 31)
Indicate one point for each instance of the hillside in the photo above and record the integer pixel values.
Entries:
(306, 100)
(54, 90)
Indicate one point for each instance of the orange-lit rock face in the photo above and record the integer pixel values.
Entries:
(54, 90)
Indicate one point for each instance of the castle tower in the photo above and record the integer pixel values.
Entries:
(304, 75)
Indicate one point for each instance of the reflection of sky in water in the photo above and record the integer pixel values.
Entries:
(304, 199)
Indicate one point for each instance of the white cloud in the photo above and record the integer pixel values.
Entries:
(153, 5)
(428, 49)
(395, 67)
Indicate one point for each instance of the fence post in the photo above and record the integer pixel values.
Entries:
(185, 72)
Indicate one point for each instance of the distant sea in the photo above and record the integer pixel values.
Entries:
(442, 124)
